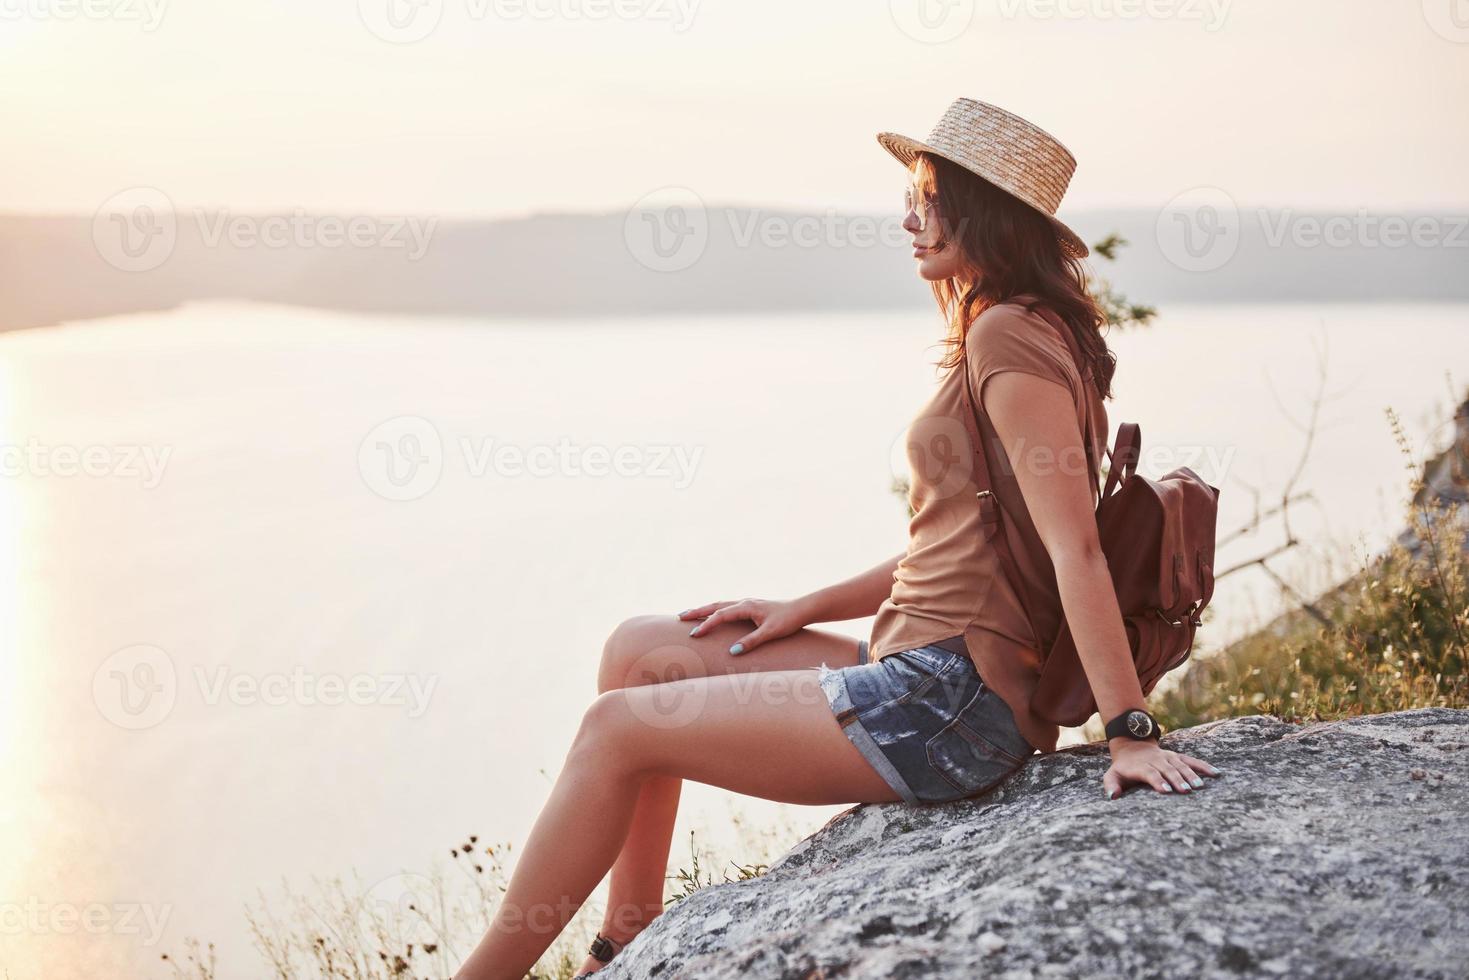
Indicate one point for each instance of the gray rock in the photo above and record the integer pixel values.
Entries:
(1336, 850)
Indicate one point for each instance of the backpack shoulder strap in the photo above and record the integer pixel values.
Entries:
(990, 512)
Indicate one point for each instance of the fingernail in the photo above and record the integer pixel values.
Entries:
(1167, 788)
(737, 648)
(683, 614)
(693, 631)
(1197, 781)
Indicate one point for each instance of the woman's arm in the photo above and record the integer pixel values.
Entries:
(853, 598)
(1036, 422)
(858, 596)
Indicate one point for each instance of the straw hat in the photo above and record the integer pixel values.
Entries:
(1018, 157)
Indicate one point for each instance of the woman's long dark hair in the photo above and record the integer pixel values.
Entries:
(1008, 248)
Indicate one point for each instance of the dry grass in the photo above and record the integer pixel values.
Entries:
(1395, 639)
(416, 925)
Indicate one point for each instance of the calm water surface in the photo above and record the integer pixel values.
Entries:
(290, 593)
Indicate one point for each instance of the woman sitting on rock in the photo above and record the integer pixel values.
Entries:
(936, 705)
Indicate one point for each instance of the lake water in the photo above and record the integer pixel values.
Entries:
(279, 599)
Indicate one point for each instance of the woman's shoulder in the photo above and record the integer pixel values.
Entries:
(1012, 322)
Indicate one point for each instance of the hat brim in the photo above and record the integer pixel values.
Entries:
(906, 150)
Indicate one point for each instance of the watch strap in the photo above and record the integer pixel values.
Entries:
(1118, 727)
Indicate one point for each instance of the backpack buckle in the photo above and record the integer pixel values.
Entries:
(1176, 623)
(989, 511)
(1189, 615)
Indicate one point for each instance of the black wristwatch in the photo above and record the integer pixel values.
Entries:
(1136, 724)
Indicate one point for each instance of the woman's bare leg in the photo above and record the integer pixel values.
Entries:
(653, 650)
(765, 734)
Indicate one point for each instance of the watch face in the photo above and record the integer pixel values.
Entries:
(1139, 724)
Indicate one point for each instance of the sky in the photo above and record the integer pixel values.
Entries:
(509, 107)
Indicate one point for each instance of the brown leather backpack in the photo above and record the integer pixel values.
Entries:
(1158, 539)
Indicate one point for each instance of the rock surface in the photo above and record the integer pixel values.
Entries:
(1338, 849)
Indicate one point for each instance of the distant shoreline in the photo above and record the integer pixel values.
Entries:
(732, 260)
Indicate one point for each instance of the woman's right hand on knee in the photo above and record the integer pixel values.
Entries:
(772, 619)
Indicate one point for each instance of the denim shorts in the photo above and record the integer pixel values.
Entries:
(926, 722)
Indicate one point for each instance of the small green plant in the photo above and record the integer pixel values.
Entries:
(691, 879)
(1119, 311)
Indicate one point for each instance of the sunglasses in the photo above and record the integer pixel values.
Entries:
(916, 201)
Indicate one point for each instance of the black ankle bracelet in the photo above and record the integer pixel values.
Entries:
(601, 948)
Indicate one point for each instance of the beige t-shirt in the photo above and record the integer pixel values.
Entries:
(950, 582)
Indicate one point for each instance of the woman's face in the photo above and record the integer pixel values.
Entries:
(937, 257)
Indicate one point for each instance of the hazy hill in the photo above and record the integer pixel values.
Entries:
(55, 268)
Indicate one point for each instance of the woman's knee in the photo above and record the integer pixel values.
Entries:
(605, 739)
(646, 650)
